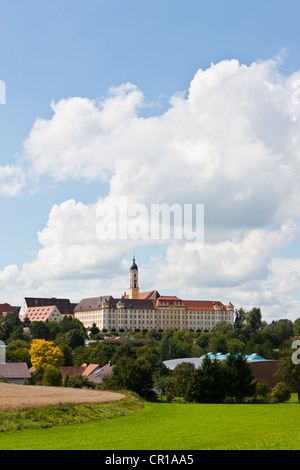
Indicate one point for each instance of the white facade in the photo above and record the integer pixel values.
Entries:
(156, 316)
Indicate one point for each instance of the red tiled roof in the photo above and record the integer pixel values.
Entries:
(90, 369)
(93, 371)
(71, 371)
(39, 313)
(189, 304)
(202, 305)
(153, 294)
(5, 308)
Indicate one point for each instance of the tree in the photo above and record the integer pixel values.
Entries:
(253, 319)
(26, 322)
(52, 376)
(206, 384)
(177, 346)
(78, 381)
(289, 372)
(67, 353)
(162, 384)
(39, 330)
(75, 338)
(124, 350)
(66, 382)
(10, 321)
(281, 392)
(296, 327)
(261, 389)
(238, 378)
(132, 374)
(240, 316)
(235, 346)
(19, 353)
(94, 331)
(43, 353)
(101, 353)
(16, 334)
(181, 377)
(53, 330)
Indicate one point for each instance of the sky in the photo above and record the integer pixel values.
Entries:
(164, 102)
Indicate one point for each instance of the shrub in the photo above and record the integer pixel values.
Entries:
(262, 389)
(281, 392)
(169, 397)
(52, 376)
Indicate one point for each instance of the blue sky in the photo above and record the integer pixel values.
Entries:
(52, 51)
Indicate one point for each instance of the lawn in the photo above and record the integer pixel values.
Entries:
(174, 426)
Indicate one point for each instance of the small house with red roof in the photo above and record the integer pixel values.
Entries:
(47, 313)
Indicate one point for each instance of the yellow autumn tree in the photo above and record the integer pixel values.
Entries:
(43, 353)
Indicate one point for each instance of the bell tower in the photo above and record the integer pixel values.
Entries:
(134, 281)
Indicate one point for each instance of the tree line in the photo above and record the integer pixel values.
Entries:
(142, 369)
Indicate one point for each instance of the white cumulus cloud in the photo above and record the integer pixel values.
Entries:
(230, 142)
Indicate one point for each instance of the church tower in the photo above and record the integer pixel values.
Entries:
(134, 281)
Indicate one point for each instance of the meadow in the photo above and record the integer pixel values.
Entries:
(173, 426)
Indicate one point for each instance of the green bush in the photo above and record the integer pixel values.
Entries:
(281, 393)
(52, 377)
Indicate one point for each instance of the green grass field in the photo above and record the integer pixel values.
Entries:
(173, 426)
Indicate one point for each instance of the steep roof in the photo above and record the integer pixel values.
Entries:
(148, 300)
(64, 305)
(152, 294)
(71, 371)
(92, 303)
(137, 304)
(14, 370)
(97, 375)
(203, 304)
(40, 313)
(6, 308)
(96, 302)
(94, 372)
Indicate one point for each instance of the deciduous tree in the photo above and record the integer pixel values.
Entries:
(43, 353)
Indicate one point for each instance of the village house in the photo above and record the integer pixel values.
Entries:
(14, 372)
(49, 313)
(6, 308)
(64, 306)
(94, 372)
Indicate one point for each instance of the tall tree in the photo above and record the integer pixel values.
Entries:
(181, 377)
(206, 384)
(132, 374)
(253, 319)
(238, 378)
